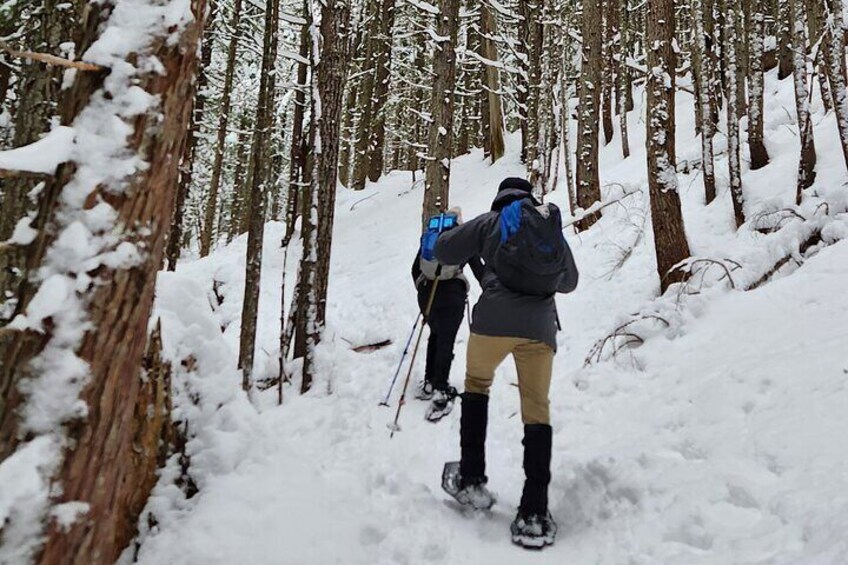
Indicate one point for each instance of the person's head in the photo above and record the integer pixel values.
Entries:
(516, 183)
(512, 189)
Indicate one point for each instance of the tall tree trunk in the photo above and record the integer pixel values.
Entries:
(588, 182)
(533, 11)
(297, 159)
(523, 51)
(440, 146)
(622, 80)
(733, 160)
(493, 125)
(187, 162)
(669, 234)
(784, 39)
(90, 352)
(807, 161)
(206, 235)
(377, 138)
(258, 193)
(330, 77)
(835, 50)
(817, 36)
(759, 154)
(704, 73)
(365, 105)
(607, 77)
(237, 203)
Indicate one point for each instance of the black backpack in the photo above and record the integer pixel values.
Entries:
(531, 257)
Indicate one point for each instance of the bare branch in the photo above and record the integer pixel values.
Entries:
(50, 59)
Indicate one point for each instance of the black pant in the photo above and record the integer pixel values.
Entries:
(444, 323)
(444, 320)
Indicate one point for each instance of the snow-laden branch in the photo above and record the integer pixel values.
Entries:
(42, 156)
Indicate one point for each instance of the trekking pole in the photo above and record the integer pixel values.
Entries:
(394, 426)
(385, 401)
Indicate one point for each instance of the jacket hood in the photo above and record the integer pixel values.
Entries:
(507, 196)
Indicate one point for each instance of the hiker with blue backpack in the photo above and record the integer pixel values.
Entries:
(444, 289)
(527, 261)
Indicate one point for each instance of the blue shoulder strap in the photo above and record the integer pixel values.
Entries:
(510, 220)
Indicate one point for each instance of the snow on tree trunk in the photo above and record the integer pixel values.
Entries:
(704, 73)
(365, 104)
(807, 161)
(835, 49)
(588, 183)
(734, 165)
(622, 77)
(610, 31)
(493, 127)
(297, 154)
(377, 139)
(74, 399)
(531, 84)
(784, 39)
(759, 154)
(258, 193)
(440, 143)
(670, 242)
(329, 71)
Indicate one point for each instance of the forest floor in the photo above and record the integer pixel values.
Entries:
(720, 440)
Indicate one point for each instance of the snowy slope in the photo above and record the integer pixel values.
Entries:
(719, 441)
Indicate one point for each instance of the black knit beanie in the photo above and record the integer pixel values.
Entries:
(517, 183)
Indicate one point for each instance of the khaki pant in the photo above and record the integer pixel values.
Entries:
(533, 361)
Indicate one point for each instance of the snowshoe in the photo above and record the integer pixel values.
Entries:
(441, 405)
(475, 495)
(534, 531)
(424, 390)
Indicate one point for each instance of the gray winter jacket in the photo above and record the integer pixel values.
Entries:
(500, 311)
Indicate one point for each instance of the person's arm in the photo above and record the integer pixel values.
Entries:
(570, 277)
(416, 268)
(459, 245)
(477, 268)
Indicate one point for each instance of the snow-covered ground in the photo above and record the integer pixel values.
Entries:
(721, 440)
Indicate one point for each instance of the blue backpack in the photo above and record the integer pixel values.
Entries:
(430, 268)
(531, 257)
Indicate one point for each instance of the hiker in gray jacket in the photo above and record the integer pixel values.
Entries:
(507, 321)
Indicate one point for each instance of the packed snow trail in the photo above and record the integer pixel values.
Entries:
(723, 443)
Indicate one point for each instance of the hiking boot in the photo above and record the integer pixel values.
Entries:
(424, 390)
(533, 531)
(468, 492)
(441, 405)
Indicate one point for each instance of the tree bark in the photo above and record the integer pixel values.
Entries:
(377, 138)
(330, 76)
(493, 111)
(733, 161)
(111, 465)
(187, 163)
(211, 209)
(807, 161)
(759, 154)
(704, 73)
(440, 145)
(670, 242)
(258, 193)
(588, 183)
(834, 55)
